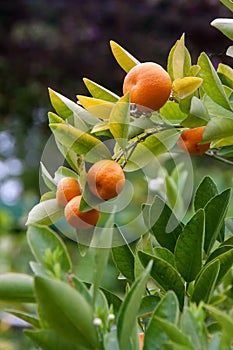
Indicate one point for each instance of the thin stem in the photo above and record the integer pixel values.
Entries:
(213, 154)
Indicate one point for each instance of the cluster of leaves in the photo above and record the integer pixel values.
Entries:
(178, 273)
(187, 272)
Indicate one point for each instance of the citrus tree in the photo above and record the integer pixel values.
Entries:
(173, 247)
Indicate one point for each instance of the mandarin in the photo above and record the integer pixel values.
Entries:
(190, 140)
(78, 219)
(67, 188)
(149, 86)
(141, 340)
(106, 179)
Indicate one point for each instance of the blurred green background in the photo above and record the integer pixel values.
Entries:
(55, 44)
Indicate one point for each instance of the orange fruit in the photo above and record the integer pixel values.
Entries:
(106, 179)
(67, 188)
(141, 340)
(77, 219)
(149, 86)
(190, 140)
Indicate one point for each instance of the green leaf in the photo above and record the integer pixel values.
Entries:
(215, 109)
(175, 334)
(48, 180)
(225, 25)
(80, 142)
(179, 61)
(225, 256)
(215, 212)
(67, 312)
(165, 254)
(63, 171)
(124, 58)
(45, 213)
(188, 250)
(110, 341)
(211, 82)
(184, 87)
(122, 255)
(16, 287)
(163, 224)
(119, 120)
(50, 340)
(67, 108)
(31, 319)
(168, 310)
(230, 51)
(54, 118)
(225, 320)
(198, 114)
(40, 239)
(225, 73)
(206, 190)
(147, 306)
(112, 299)
(129, 309)
(219, 132)
(205, 283)
(164, 275)
(172, 113)
(152, 146)
(99, 91)
(228, 3)
(98, 107)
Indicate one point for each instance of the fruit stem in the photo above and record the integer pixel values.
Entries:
(212, 153)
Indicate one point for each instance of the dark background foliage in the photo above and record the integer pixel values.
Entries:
(56, 43)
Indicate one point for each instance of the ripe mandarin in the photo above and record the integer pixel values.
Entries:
(149, 86)
(141, 340)
(67, 188)
(106, 179)
(190, 140)
(77, 219)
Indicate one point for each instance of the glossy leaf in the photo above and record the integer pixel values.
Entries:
(112, 299)
(228, 3)
(99, 91)
(80, 142)
(54, 118)
(174, 333)
(168, 310)
(148, 305)
(211, 82)
(225, 73)
(165, 275)
(230, 51)
(124, 58)
(152, 146)
(215, 109)
(50, 340)
(71, 316)
(205, 283)
(48, 180)
(129, 309)
(40, 239)
(198, 114)
(172, 113)
(189, 246)
(206, 190)
(119, 120)
(16, 287)
(45, 213)
(215, 212)
(225, 257)
(98, 107)
(184, 87)
(31, 319)
(163, 224)
(165, 254)
(219, 131)
(122, 255)
(225, 25)
(66, 108)
(179, 61)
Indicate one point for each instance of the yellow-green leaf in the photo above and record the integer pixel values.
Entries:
(80, 142)
(179, 61)
(99, 91)
(100, 108)
(185, 87)
(45, 213)
(124, 58)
